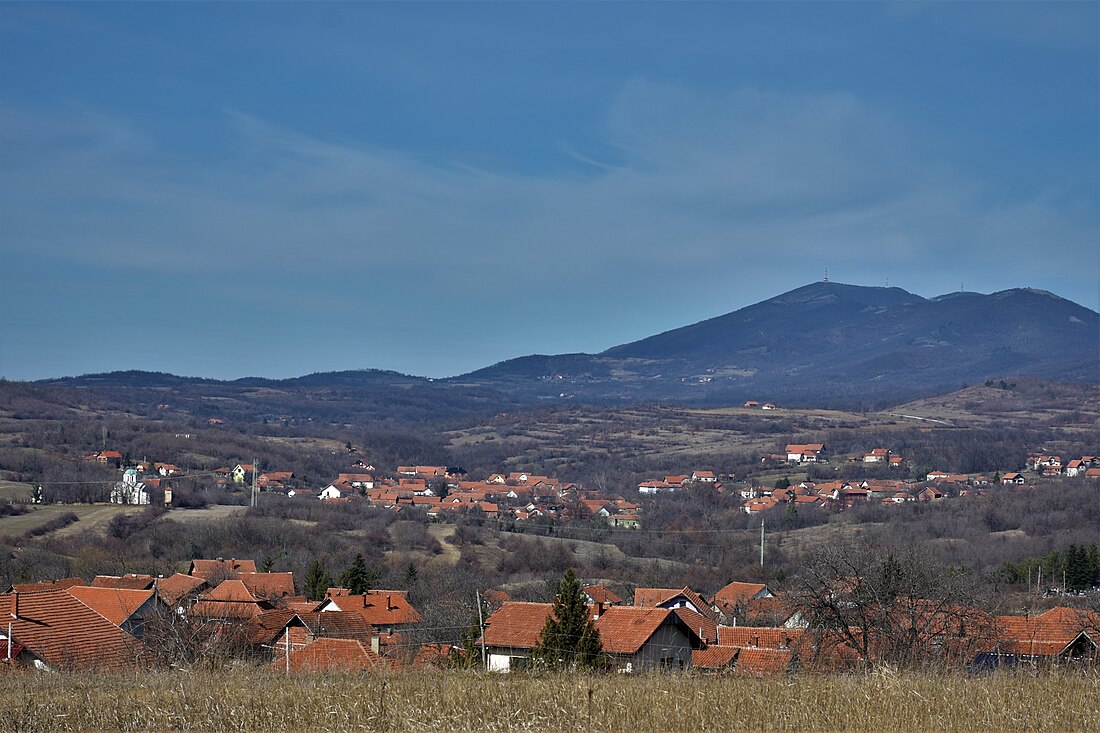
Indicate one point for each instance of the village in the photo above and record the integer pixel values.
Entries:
(226, 612)
(519, 496)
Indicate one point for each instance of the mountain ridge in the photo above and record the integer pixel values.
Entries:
(821, 341)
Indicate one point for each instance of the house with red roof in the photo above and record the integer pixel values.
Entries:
(601, 594)
(389, 611)
(130, 581)
(1059, 635)
(331, 655)
(127, 609)
(633, 639)
(732, 600)
(229, 601)
(805, 452)
(220, 569)
(53, 630)
(672, 598)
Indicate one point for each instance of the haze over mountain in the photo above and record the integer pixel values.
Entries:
(823, 343)
(826, 341)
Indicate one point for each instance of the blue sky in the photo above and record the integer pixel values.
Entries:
(227, 190)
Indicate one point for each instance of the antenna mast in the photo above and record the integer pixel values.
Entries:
(761, 544)
(826, 275)
(255, 494)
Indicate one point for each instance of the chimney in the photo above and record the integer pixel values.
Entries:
(376, 644)
(364, 597)
(15, 605)
(389, 603)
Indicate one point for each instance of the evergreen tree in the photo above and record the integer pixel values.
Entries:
(411, 575)
(569, 640)
(357, 578)
(1092, 565)
(467, 655)
(317, 581)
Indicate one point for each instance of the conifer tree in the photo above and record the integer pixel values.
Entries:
(357, 578)
(569, 640)
(317, 581)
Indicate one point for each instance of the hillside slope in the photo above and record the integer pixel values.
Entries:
(830, 341)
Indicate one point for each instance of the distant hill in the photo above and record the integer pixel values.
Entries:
(822, 344)
(829, 342)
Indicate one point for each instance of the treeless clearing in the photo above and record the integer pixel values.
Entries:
(93, 518)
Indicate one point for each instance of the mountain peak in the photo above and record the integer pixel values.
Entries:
(823, 292)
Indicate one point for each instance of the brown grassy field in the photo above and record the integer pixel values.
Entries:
(93, 518)
(254, 701)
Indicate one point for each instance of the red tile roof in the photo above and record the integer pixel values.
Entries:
(432, 656)
(739, 593)
(227, 568)
(232, 591)
(332, 654)
(61, 584)
(380, 608)
(762, 662)
(758, 637)
(625, 629)
(517, 624)
(654, 597)
(268, 585)
(270, 625)
(714, 657)
(230, 600)
(66, 634)
(114, 604)
(705, 628)
(175, 588)
(602, 594)
(129, 581)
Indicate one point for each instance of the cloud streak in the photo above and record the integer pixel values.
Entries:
(753, 191)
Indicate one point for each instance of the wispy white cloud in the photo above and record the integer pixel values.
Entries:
(752, 186)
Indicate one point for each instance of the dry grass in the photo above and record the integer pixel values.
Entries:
(93, 518)
(254, 701)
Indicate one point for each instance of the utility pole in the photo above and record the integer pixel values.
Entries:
(255, 470)
(761, 544)
(481, 625)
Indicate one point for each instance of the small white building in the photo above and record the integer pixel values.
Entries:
(130, 490)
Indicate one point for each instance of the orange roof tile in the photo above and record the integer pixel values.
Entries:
(66, 634)
(114, 604)
(231, 591)
(379, 607)
(517, 624)
(705, 628)
(175, 588)
(758, 637)
(268, 585)
(625, 629)
(602, 594)
(761, 662)
(332, 654)
(129, 581)
(61, 584)
(206, 568)
(654, 597)
(714, 657)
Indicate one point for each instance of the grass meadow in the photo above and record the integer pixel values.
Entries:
(450, 701)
